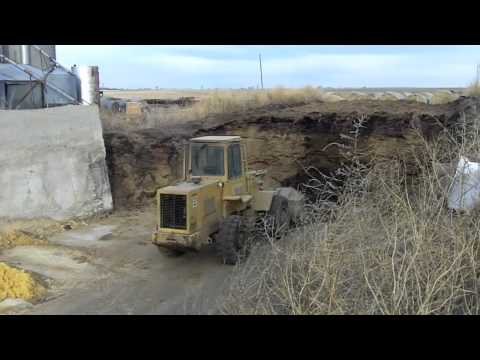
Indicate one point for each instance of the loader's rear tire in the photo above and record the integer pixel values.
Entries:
(280, 215)
(230, 239)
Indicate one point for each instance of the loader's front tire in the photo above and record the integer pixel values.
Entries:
(230, 239)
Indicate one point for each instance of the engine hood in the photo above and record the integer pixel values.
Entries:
(186, 187)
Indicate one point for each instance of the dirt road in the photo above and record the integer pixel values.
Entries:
(111, 267)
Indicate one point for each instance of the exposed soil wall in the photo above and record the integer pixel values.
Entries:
(281, 139)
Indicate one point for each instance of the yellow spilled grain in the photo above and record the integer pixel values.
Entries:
(14, 238)
(18, 284)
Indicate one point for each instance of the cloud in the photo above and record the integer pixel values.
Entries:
(332, 62)
(212, 49)
(274, 65)
(187, 64)
(237, 66)
(275, 69)
(78, 52)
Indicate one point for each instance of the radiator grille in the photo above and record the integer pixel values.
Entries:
(173, 211)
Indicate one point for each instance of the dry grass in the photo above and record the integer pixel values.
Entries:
(156, 94)
(473, 89)
(217, 102)
(220, 102)
(389, 246)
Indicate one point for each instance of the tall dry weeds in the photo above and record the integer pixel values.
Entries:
(216, 103)
(388, 246)
(473, 89)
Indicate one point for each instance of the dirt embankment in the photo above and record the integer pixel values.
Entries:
(281, 139)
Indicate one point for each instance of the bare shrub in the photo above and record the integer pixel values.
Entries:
(388, 246)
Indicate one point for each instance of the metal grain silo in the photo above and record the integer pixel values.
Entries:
(13, 52)
(37, 58)
(89, 84)
(65, 81)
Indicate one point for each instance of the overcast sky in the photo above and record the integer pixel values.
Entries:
(209, 66)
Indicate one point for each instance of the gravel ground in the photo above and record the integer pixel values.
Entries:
(111, 267)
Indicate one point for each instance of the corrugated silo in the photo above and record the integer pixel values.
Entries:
(29, 55)
(13, 52)
(66, 82)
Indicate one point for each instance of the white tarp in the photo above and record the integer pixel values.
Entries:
(465, 190)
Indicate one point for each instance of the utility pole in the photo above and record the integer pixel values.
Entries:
(478, 75)
(261, 70)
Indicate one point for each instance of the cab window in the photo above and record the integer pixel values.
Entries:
(207, 160)
(234, 161)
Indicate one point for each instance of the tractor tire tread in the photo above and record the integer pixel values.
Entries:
(227, 243)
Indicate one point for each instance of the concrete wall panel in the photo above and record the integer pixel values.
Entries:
(52, 163)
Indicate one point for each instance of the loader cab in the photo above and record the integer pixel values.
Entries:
(216, 157)
(221, 158)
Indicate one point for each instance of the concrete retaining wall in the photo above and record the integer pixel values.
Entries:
(52, 163)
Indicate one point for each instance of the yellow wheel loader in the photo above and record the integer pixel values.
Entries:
(217, 199)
